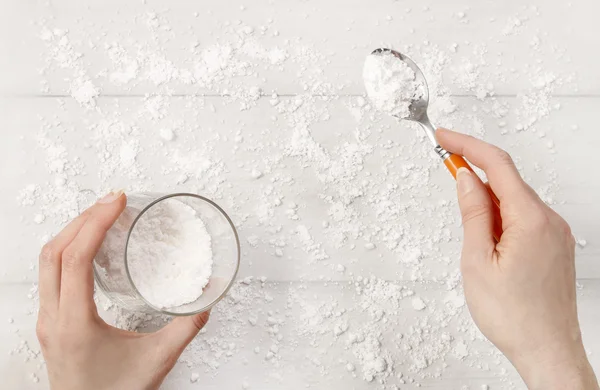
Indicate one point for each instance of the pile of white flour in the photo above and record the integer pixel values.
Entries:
(391, 84)
(169, 254)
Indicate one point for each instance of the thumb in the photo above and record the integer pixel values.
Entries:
(477, 217)
(174, 337)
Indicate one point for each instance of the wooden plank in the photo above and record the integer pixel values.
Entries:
(204, 135)
(509, 43)
(300, 348)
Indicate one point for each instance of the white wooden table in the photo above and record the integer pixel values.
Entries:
(510, 44)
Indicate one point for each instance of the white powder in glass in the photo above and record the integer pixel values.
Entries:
(391, 84)
(169, 254)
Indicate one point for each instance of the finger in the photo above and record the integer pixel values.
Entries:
(498, 166)
(174, 337)
(477, 217)
(77, 280)
(50, 264)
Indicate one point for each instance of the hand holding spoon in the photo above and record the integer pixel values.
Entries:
(416, 111)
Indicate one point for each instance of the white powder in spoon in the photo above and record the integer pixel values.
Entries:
(169, 254)
(391, 84)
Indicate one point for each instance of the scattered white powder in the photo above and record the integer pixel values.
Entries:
(84, 92)
(39, 218)
(167, 134)
(331, 211)
(461, 350)
(391, 84)
(418, 304)
(581, 242)
(169, 254)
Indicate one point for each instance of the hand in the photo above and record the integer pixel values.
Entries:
(81, 350)
(520, 291)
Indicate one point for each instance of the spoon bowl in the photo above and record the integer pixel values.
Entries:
(418, 107)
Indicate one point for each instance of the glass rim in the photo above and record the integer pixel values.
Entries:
(229, 283)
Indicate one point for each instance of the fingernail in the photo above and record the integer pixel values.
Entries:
(111, 196)
(464, 181)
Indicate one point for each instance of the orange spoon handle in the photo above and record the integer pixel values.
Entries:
(453, 162)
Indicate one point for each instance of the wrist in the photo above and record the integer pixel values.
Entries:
(560, 369)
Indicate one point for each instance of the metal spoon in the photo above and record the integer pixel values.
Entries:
(418, 113)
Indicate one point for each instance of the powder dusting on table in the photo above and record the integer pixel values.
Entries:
(321, 190)
(169, 254)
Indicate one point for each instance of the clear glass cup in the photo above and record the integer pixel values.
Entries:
(111, 270)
